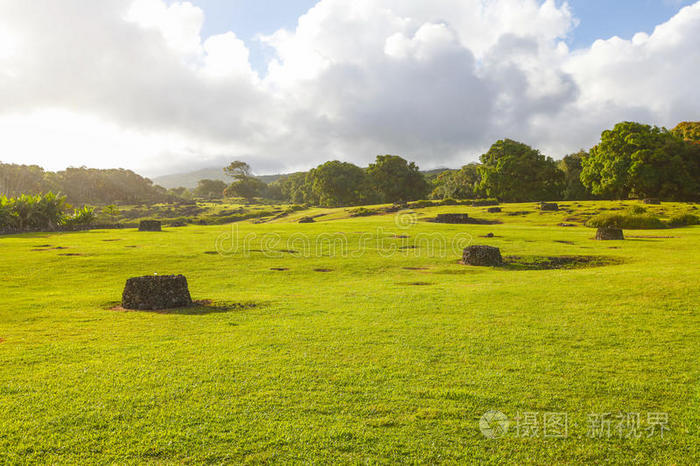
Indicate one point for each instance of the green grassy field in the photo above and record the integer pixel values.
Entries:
(391, 354)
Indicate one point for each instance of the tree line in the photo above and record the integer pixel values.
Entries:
(82, 185)
(631, 160)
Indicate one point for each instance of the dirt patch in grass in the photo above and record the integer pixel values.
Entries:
(43, 246)
(416, 268)
(401, 236)
(2, 340)
(49, 248)
(416, 284)
(199, 307)
(651, 237)
(409, 247)
(557, 262)
(323, 270)
(519, 212)
(71, 254)
(132, 247)
(279, 269)
(211, 253)
(563, 242)
(111, 240)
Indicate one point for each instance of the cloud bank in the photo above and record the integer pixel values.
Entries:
(132, 83)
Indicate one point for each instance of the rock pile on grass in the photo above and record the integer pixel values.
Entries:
(609, 234)
(150, 225)
(453, 218)
(495, 210)
(549, 207)
(483, 256)
(156, 292)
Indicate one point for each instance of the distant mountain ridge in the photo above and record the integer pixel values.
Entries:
(189, 179)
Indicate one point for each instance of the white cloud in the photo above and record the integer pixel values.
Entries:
(132, 83)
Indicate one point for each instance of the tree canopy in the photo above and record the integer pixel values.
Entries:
(336, 184)
(515, 172)
(210, 189)
(688, 131)
(638, 160)
(458, 184)
(395, 179)
(571, 166)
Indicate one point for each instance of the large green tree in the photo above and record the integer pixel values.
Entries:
(457, 184)
(396, 179)
(209, 189)
(245, 185)
(515, 172)
(637, 160)
(336, 184)
(294, 188)
(571, 166)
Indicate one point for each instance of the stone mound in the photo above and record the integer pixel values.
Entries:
(452, 218)
(549, 207)
(609, 234)
(483, 256)
(484, 202)
(150, 225)
(495, 210)
(156, 292)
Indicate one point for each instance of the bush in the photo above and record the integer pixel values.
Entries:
(626, 221)
(485, 202)
(362, 212)
(422, 204)
(637, 210)
(40, 212)
(81, 217)
(682, 220)
(295, 208)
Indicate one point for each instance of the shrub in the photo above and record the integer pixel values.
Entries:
(422, 204)
(626, 221)
(485, 202)
(682, 220)
(40, 212)
(83, 216)
(637, 210)
(296, 208)
(362, 212)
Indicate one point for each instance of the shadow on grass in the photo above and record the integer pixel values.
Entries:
(198, 308)
(557, 262)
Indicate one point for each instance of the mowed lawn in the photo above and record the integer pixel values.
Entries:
(391, 354)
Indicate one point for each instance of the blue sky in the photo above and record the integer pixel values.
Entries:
(599, 19)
